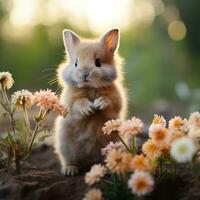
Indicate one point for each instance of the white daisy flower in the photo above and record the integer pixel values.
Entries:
(183, 149)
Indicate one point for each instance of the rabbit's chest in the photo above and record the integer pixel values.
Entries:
(92, 94)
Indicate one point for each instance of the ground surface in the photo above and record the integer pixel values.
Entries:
(41, 179)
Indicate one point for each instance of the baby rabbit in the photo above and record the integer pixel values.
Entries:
(93, 92)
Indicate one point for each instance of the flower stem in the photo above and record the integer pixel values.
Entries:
(27, 122)
(38, 118)
(9, 108)
(11, 116)
(128, 149)
(133, 146)
(194, 172)
(17, 164)
(175, 169)
(33, 137)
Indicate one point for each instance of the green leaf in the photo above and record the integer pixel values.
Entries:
(43, 137)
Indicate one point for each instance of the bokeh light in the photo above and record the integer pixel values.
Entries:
(177, 30)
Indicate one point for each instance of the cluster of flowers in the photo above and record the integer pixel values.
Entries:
(175, 143)
(22, 100)
(46, 99)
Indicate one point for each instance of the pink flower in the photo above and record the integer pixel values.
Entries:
(47, 99)
(131, 127)
(110, 126)
(95, 174)
(110, 146)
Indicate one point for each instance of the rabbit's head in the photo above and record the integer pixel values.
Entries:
(91, 63)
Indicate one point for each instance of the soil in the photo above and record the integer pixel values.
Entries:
(41, 179)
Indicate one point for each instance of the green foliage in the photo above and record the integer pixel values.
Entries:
(115, 187)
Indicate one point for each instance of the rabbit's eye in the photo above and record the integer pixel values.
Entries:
(76, 63)
(98, 62)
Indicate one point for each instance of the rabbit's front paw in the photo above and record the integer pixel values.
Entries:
(69, 170)
(100, 103)
(84, 107)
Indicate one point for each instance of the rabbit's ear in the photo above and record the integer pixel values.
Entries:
(70, 39)
(110, 40)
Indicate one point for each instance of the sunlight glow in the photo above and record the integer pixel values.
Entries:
(105, 14)
(23, 12)
(95, 16)
(144, 13)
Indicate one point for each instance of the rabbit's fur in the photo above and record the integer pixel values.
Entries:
(93, 92)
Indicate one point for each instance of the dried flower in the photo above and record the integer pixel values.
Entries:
(194, 120)
(118, 161)
(141, 183)
(22, 98)
(132, 126)
(183, 149)
(93, 194)
(6, 80)
(47, 99)
(110, 146)
(140, 163)
(110, 126)
(178, 124)
(158, 121)
(151, 150)
(95, 174)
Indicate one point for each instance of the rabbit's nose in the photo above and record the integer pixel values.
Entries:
(85, 75)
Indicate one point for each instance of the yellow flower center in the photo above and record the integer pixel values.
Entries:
(182, 149)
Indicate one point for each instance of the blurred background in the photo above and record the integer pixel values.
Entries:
(160, 41)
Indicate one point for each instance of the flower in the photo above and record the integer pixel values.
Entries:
(140, 162)
(141, 183)
(194, 133)
(22, 98)
(6, 80)
(178, 124)
(110, 146)
(160, 135)
(131, 127)
(93, 194)
(183, 149)
(151, 150)
(177, 134)
(194, 120)
(158, 120)
(47, 99)
(110, 126)
(118, 161)
(165, 149)
(95, 174)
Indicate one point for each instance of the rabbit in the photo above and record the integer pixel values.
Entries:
(92, 89)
